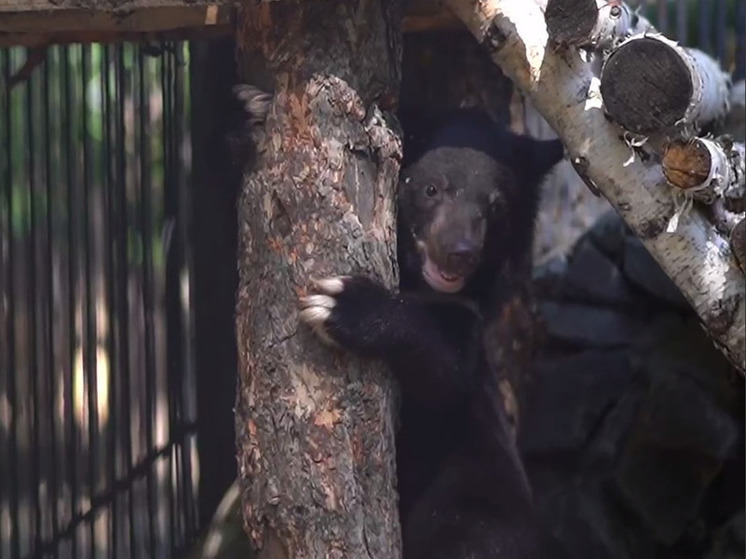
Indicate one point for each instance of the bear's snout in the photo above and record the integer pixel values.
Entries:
(462, 257)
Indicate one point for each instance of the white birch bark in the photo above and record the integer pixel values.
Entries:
(564, 90)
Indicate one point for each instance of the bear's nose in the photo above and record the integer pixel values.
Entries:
(462, 257)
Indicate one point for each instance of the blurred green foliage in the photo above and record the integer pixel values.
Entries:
(58, 131)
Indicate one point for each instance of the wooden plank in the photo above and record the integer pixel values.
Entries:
(42, 22)
(34, 40)
(162, 22)
(103, 5)
(138, 20)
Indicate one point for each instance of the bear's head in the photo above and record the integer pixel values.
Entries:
(470, 196)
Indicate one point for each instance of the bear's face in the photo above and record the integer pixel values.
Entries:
(452, 200)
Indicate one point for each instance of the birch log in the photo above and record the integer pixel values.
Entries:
(650, 84)
(594, 24)
(706, 167)
(564, 90)
(314, 427)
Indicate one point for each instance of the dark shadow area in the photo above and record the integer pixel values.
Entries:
(216, 185)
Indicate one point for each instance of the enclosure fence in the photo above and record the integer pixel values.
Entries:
(97, 404)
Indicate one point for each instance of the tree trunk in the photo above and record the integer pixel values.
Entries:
(562, 87)
(314, 427)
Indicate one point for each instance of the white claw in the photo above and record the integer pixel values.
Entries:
(256, 102)
(315, 315)
(330, 286)
(316, 309)
(318, 301)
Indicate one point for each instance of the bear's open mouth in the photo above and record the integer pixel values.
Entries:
(440, 280)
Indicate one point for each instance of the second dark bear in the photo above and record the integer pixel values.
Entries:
(467, 199)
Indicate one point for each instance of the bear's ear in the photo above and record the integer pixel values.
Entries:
(537, 157)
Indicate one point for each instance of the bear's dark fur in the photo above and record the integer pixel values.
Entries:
(467, 201)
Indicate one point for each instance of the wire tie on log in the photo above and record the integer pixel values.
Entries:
(684, 199)
(634, 142)
(683, 203)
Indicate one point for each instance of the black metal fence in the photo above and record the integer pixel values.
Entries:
(97, 404)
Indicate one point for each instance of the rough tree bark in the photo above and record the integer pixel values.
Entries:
(562, 87)
(315, 427)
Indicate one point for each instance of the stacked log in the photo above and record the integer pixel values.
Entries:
(642, 120)
(676, 96)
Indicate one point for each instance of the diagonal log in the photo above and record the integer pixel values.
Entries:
(562, 87)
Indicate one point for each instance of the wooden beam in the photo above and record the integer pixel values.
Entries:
(35, 40)
(36, 23)
(142, 20)
(103, 5)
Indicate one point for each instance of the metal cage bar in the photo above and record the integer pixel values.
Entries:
(93, 176)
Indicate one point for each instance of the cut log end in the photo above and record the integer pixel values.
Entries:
(686, 164)
(593, 24)
(646, 86)
(570, 22)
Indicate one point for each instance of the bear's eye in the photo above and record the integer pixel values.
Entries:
(430, 191)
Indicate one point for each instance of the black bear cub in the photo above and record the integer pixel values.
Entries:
(467, 200)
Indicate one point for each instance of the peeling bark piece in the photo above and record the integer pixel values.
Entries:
(724, 219)
(650, 84)
(734, 194)
(738, 244)
(314, 427)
